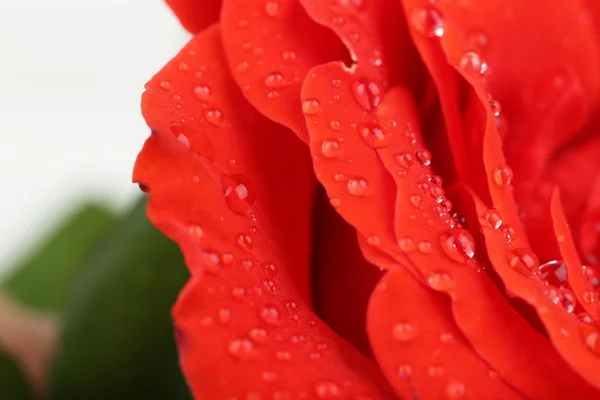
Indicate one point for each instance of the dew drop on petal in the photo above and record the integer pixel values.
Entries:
(458, 244)
(238, 192)
(404, 331)
(428, 21)
(425, 247)
(455, 390)
(503, 175)
(357, 187)
(244, 242)
(491, 219)
(331, 148)
(590, 334)
(373, 135)
(523, 260)
(373, 240)
(472, 64)
(270, 315)
(241, 348)
(275, 80)
(202, 92)
(311, 106)
(214, 116)
(258, 335)
(328, 390)
(272, 8)
(405, 159)
(554, 273)
(441, 280)
(367, 93)
(406, 244)
(424, 157)
(404, 371)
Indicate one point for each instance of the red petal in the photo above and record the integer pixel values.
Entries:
(342, 279)
(405, 318)
(565, 332)
(243, 326)
(196, 15)
(586, 296)
(270, 47)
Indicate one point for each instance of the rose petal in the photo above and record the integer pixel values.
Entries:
(403, 319)
(270, 47)
(196, 15)
(243, 326)
(583, 289)
(342, 279)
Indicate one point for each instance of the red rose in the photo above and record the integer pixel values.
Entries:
(473, 288)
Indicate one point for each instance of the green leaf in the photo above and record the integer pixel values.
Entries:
(13, 385)
(118, 336)
(41, 281)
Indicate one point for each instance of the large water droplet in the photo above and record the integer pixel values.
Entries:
(405, 159)
(367, 93)
(244, 241)
(272, 8)
(435, 371)
(373, 135)
(523, 260)
(214, 116)
(331, 148)
(458, 244)
(491, 219)
(503, 175)
(238, 192)
(211, 262)
(455, 390)
(404, 331)
(357, 187)
(424, 157)
(562, 297)
(472, 64)
(258, 335)
(554, 273)
(428, 21)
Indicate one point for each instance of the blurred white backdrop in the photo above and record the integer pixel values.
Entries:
(71, 76)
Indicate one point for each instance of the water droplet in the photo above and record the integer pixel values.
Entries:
(283, 355)
(275, 80)
(327, 390)
(288, 56)
(458, 244)
(373, 135)
(508, 232)
(416, 200)
(586, 318)
(562, 297)
(406, 244)
(590, 276)
(183, 67)
(334, 201)
(367, 93)
(242, 67)
(503, 175)
(270, 269)
(311, 106)
(373, 240)
(455, 390)
(404, 371)
(248, 265)
(495, 107)
(357, 187)
(435, 371)
(224, 315)
(270, 315)
(238, 293)
(202, 92)
(244, 241)
(238, 192)
(241, 348)
(424, 157)
(588, 297)
(211, 262)
(472, 64)
(491, 219)
(331, 148)
(428, 21)
(523, 260)
(441, 280)
(446, 337)
(181, 138)
(258, 335)
(590, 334)
(554, 273)
(268, 376)
(335, 125)
(405, 159)
(404, 331)
(214, 116)
(166, 85)
(425, 247)
(272, 8)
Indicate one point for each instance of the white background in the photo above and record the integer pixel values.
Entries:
(71, 76)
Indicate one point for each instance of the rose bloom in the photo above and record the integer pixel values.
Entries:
(382, 199)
